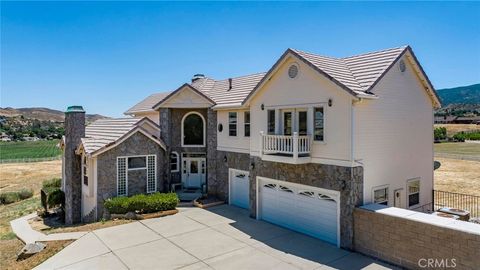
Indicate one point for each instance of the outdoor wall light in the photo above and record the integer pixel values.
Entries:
(220, 127)
(329, 102)
(252, 166)
(262, 107)
(225, 159)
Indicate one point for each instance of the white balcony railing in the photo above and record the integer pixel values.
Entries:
(283, 144)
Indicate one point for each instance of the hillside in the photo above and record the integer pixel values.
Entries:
(43, 114)
(460, 95)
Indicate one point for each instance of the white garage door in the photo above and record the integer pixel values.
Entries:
(239, 188)
(302, 208)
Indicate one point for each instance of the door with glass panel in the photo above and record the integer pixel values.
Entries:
(193, 172)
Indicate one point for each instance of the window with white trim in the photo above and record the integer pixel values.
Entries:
(135, 163)
(85, 170)
(232, 123)
(246, 124)
(318, 124)
(121, 176)
(151, 174)
(193, 130)
(380, 195)
(413, 192)
(174, 162)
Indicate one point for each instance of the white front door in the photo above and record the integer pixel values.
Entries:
(239, 188)
(309, 210)
(193, 172)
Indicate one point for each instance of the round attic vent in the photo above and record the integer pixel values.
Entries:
(293, 71)
(401, 65)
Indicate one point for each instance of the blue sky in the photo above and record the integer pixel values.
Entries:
(107, 56)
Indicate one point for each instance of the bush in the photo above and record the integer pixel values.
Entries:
(142, 203)
(55, 197)
(9, 197)
(459, 137)
(440, 133)
(25, 194)
(54, 182)
(15, 196)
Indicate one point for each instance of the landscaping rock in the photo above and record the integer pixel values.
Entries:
(29, 250)
(131, 215)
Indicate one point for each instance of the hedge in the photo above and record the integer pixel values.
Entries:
(15, 196)
(54, 182)
(142, 203)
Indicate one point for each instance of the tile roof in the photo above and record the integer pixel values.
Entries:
(105, 132)
(146, 104)
(220, 92)
(359, 72)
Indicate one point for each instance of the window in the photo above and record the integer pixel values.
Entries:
(174, 162)
(232, 124)
(302, 123)
(318, 124)
(287, 123)
(413, 192)
(247, 124)
(271, 121)
(137, 163)
(193, 130)
(85, 170)
(121, 176)
(380, 195)
(151, 174)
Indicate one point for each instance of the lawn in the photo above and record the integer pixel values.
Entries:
(23, 150)
(458, 150)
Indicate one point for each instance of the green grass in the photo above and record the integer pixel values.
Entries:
(460, 148)
(15, 210)
(21, 150)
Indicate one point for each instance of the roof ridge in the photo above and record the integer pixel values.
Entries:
(372, 52)
(315, 54)
(256, 73)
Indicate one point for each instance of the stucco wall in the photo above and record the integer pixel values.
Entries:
(137, 144)
(307, 90)
(239, 143)
(409, 243)
(153, 115)
(394, 136)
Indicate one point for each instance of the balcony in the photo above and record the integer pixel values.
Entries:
(285, 148)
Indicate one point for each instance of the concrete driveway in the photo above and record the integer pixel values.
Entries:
(222, 237)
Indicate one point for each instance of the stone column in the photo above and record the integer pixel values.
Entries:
(166, 135)
(74, 131)
(211, 149)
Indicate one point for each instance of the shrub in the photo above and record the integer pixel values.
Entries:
(54, 182)
(25, 194)
(9, 197)
(15, 196)
(460, 137)
(440, 133)
(55, 197)
(142, 203)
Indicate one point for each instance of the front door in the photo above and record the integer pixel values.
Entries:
(397, 198)
(287, 123)
(193, 172)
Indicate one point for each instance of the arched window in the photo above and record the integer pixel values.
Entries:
(193, 130)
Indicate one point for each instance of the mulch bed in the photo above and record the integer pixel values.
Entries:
(207, 202)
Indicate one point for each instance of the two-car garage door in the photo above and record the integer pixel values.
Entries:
(306, 209)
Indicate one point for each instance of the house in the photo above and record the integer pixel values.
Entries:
(300, 145)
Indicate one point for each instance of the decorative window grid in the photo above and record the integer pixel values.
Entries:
(121, 176)
(174, 162)
(151, 174)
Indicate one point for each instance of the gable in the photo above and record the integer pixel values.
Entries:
(185, 97)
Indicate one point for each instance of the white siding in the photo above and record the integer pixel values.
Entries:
(306, 90)
(239, 143)
(153, 115)
(394, 136)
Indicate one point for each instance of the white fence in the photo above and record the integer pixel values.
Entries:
(284, 144)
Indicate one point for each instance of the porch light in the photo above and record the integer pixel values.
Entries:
(225, 159)
(252, 166)
(329, 102)
(262, 107)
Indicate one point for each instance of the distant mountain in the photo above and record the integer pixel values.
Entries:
(460, 95)
(43, 114)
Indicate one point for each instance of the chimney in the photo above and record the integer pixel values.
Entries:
(74, 131)
(229, 84)
(197, 77)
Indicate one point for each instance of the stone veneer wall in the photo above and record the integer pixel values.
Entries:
(349, 181)
(74, 131)
(171, 134)
(405, 242)
(137, 144)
